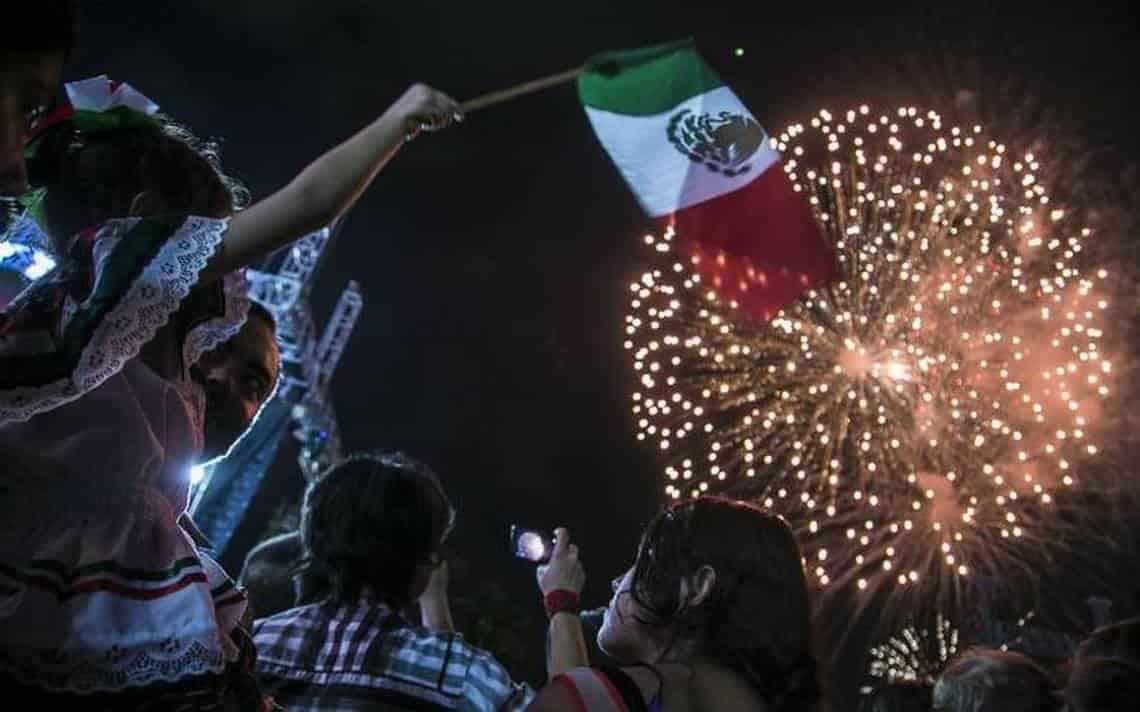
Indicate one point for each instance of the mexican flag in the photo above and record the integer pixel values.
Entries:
(697, 159)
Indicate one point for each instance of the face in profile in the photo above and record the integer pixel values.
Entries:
(27, 84)
(622, 636)
(237, 377)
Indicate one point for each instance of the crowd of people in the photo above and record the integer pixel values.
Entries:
(696, 625)
(140, 354)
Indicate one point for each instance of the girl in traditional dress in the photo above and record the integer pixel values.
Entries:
(104, 407)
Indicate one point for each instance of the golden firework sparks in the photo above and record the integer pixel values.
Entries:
(917, 416)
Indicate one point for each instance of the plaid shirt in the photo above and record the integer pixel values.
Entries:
(359, 657)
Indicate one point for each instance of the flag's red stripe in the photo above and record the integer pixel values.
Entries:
(758, 245)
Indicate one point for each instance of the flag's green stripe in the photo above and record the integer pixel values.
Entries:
(646, 81)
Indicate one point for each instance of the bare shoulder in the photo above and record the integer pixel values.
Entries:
(649, 679)
(714, 687)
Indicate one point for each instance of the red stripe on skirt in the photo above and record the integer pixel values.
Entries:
(119, 589)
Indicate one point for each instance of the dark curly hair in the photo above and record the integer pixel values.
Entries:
(756, 620)
(370, 521)
(92, 178)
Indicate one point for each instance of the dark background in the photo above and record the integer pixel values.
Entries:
(495, 257)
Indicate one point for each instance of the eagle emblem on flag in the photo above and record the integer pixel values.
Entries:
(723, 141)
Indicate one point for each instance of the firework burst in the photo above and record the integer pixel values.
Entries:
(917, 418)
(914, 654)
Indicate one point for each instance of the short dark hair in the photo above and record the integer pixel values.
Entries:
(275, 579)
(43, 26)
(1115, 640)
(986, 680)
(370, 521)
(267, 574)
(1105, 671)
(757, 618)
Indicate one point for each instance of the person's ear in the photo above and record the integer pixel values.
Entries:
(697, 588)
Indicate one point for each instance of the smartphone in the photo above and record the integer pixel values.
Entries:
(533, 545)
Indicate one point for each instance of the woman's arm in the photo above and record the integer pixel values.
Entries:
(330, 184)
(566, 644)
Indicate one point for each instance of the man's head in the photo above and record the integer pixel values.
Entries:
(238, 377)
(37, 39)
(1105, 671)
(1116, 640)
(994, 681)
(276, 576)
(377, 523)
(267, 574)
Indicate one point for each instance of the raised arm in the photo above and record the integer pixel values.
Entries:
(563, 575)
(331, 184)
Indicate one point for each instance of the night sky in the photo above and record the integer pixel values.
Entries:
(495, 258)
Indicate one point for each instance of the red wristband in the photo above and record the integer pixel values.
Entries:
(560, 601)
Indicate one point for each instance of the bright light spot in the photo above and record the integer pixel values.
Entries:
(897, 371)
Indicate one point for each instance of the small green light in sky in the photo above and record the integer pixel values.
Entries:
(739, 51)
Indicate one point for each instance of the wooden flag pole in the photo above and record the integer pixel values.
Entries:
(498, 97)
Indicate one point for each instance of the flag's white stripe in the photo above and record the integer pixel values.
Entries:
(663, 179)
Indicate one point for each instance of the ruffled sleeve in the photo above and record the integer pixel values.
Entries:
(120, 283)
(218, 325)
